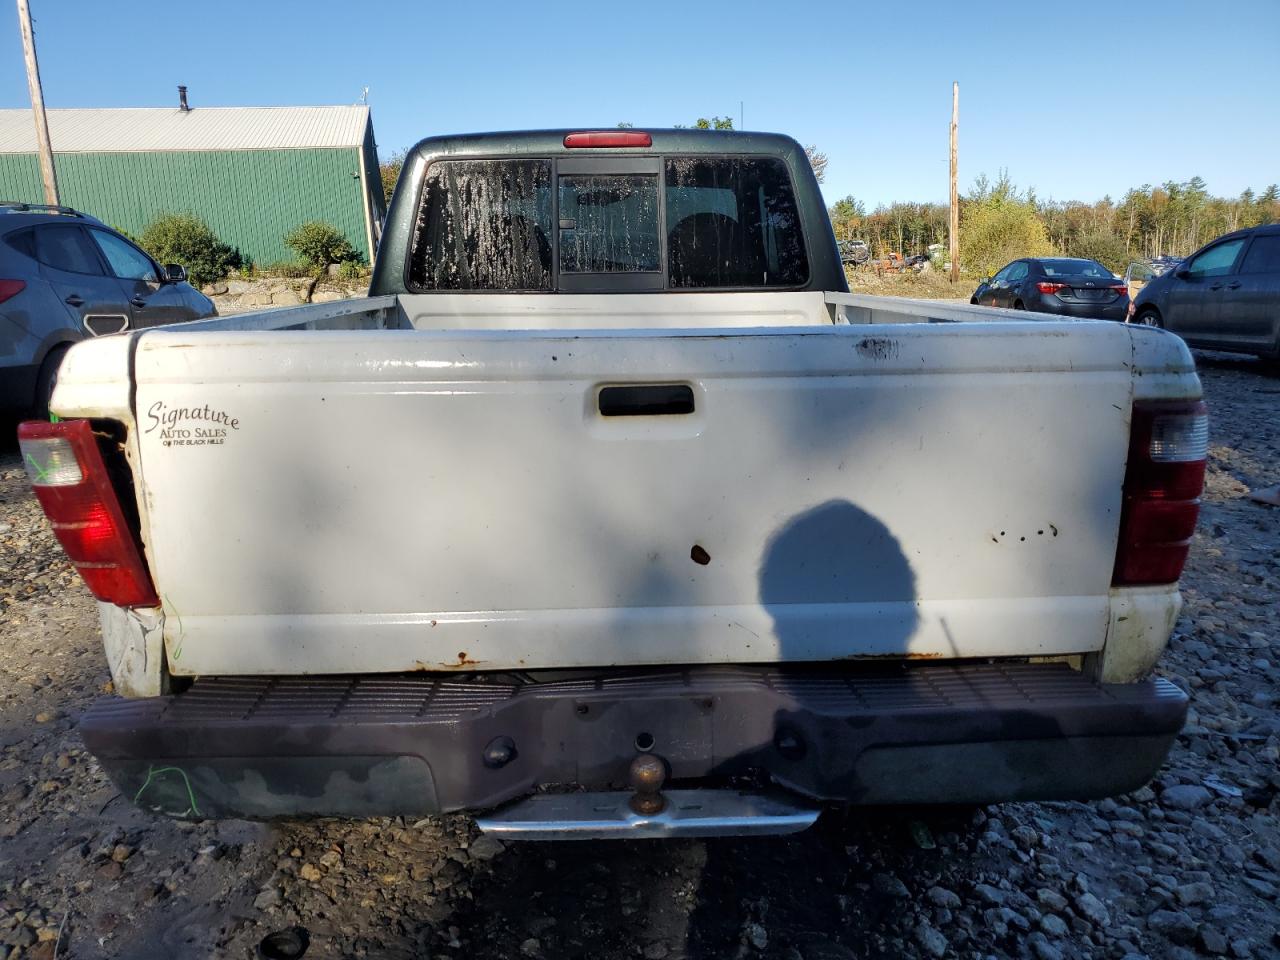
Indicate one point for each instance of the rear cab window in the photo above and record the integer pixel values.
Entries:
(483, 225)
(608, 224)
(733, 223)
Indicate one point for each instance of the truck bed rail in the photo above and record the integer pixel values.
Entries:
(361, 313)
(857, 308)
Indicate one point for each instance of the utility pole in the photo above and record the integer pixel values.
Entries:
(953, 229)
(47, 173)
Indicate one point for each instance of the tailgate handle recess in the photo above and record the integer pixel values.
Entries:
(646, 400)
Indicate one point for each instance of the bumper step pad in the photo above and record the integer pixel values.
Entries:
(420, 744)
(609, 816)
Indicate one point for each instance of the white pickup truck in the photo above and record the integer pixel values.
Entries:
(610, 512)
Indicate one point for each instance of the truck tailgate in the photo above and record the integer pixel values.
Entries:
(331, 502)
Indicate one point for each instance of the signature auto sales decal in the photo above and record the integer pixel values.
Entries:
(190, 426)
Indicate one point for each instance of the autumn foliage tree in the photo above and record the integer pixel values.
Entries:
(390, 170)
(999, 223)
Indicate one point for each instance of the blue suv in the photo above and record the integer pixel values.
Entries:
(65, 276)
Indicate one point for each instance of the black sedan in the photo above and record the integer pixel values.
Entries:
(1064, 285)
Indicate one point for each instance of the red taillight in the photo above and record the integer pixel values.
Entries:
(1122, 290)
(71, 482)
(609, 138)
(1047, 286)
(10, 288)
(1168, 444)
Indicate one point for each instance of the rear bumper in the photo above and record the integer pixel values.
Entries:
(417, 744)
(1116, 310)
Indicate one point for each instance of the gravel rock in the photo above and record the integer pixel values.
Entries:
(267, 899)
(111, 870)
(1193, 893)
(1212, 942)
(1091, 908)
(890, 886)
(1185, 796)
(1176, 925)
(942, 897)
(1241, 948)
(1051, 900)
(310, 872)
(1053, 925)
(1042, 949)
(22, 937)
(485, 847)
(932, 942)
(989, 894)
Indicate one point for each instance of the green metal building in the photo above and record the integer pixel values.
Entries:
(252, 173)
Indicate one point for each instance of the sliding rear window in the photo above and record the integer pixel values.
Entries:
(732, 223)
(484, 225)
(685, 223)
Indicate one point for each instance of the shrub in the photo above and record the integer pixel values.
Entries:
(186, 239)
(351, 270)
(320, 244)
(995, 231)
(1101, 245)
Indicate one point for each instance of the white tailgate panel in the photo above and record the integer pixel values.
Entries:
(405, 500)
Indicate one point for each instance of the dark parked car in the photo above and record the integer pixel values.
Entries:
(1065, 285)
(1225, 296)
(65, 276)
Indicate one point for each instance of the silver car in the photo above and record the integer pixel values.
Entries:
(65, 276)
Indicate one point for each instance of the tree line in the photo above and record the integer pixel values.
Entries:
(999, 222)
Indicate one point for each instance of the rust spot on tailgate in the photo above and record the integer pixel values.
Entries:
(462, 662)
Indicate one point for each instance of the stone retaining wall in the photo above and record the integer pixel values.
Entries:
(240, 296)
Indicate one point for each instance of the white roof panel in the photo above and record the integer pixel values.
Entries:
(148, 129)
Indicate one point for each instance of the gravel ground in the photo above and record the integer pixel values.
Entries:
(1189, 866)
